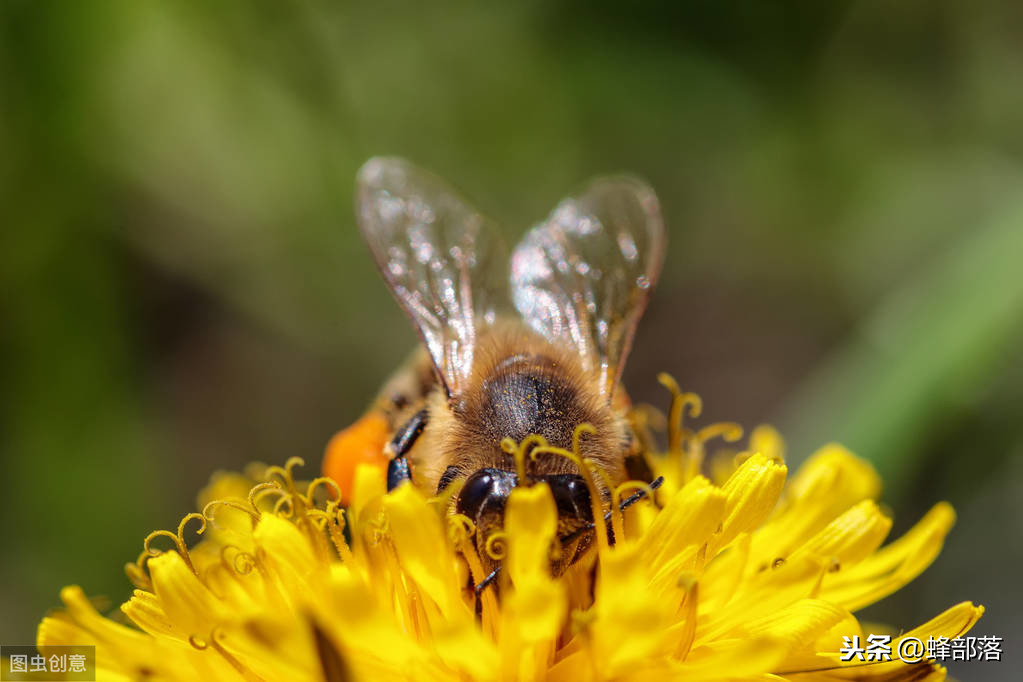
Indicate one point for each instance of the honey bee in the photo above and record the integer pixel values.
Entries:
(511, 348)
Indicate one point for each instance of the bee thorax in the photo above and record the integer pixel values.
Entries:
(526, 394)
(526, 397)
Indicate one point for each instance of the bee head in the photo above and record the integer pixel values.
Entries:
(483, 498)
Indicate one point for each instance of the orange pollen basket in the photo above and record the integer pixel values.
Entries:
(361, 443)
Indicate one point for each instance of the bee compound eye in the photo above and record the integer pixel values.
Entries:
(474, 494)
(486, 490)
(571, 496)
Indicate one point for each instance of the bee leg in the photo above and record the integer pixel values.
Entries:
(397, 473)
(398, 469)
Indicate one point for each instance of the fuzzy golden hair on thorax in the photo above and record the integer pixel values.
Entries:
(522, 385)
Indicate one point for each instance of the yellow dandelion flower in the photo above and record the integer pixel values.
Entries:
(743, 577)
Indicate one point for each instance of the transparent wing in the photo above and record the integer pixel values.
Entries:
(443, 261)
(583, 277)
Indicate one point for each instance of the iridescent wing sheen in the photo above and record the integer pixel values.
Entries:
(583, 277)
(444, 262)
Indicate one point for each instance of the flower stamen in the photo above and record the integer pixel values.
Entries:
(243, 561)
(586, 468)
(518, 452)
(326, 483)
(679, 401)
(178, 538)
(496, 545)
(691, 585)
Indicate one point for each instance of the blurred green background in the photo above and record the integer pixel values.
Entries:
(184, 289)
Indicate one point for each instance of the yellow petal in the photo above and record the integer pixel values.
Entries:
(723, 576)
(121, 652)
(632, 620)
(892, 566)
(577, 667)
(145, 610)
(188, 604)
(536, 609)
(537, 604)
(829, 483)
(799, 625)
(422, 549)
(825, 670)
(466, 649)
(368, 485)
(83, 614)
(752, 492)
(530, 521)
(833, 473)
(851, 537)
(763, 593)
(689, 518)
(730, 659)
(353, 614)
(290, 562)
(954, 622)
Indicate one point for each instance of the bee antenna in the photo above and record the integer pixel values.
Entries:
(486, 582)
(637, 496)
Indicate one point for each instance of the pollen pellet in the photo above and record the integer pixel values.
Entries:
(361, 443)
